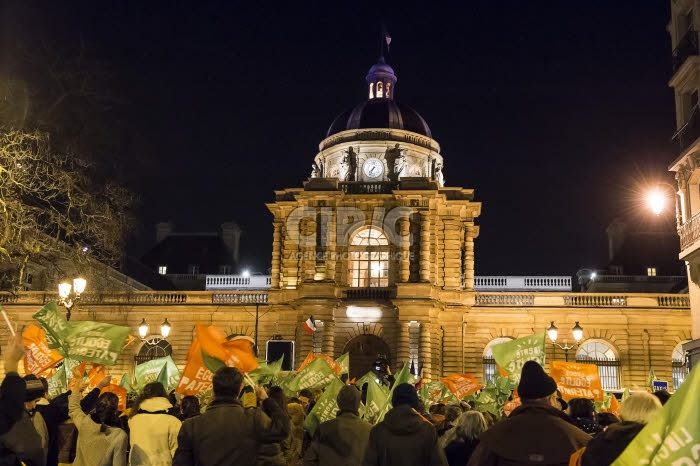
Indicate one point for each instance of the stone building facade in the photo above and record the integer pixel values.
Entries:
(380, 252)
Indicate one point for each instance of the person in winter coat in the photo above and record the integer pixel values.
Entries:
(189, 407)
(582, 411)
(228, 434)
(270, 453)
(341, 441)
(292, 446)
(19, 440)
(537, 432)
(100, 441)
(460, 441)
(635, 412)
(153, 430)
(404, 437)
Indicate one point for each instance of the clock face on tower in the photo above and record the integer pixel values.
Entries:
(373, 168)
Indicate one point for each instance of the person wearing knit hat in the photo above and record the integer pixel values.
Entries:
(537, 432)
(404, 437)
(341, 440)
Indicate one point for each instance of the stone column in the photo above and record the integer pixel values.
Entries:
(402, 352)
(276, 253)
(328, 344)
(426, 353)
(468, 264)
(405, 252)
(331, 244)
(453, 253)
(425, 247)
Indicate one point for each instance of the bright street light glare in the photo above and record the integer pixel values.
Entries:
(657, 202)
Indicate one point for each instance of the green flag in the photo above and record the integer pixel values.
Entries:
(55, 325)
(512, 355)
(625, 394)
(326, 407)
(344, 363)
(651, 378)
(266, 373)
(163, 376)
(377, 400)
(58, 383)
(365, 379)
(672, 436)
(150, 371)
(316, 375)
(96, 342)
(126, 383)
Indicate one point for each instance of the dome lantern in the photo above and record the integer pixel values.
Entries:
(381, 81)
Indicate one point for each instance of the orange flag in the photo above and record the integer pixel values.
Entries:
(195, 378)
(38, 357)
(576, 380)
(236, 353)
(510, 406)
(95, 375)
(614, 406)
(331, 362)
(461, 385)
(119, 391)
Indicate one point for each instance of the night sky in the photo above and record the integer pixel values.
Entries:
(553, 111)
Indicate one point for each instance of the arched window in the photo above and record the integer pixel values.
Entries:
(388, 90)
(371, 90)
(380, 92)
(602, 355)
(489, 362)
(153, 348)
(679, 365)
(368, 256)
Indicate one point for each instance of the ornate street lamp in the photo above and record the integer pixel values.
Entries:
(69, 295)
(165, 328)
(553, 334)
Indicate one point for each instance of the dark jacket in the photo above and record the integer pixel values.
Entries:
(339, 442)
(19, 441)
(588, 425)
(459, 451)
(608, 445)
(403, 438)
(535, 433)
(228, 434)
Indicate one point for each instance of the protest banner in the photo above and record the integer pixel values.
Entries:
(148, 372)
(196, 377)
(236, 353)
(121, 393)
(576, 380)
(672, 435)
(512, 355)
(316, 375)
(329, 360)
(55, 325)
(326, 406)
(461, 385)
(95, 341)
(344, 363)
(38, 356)
(377, 399)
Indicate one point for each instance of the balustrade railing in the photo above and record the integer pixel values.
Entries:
(595, 300)
(504, 299)
(674, 301)
(526, 283)
(370, 293)
(689, 132)
(690, 232)
(239, 298)
(231, 282)
(368, 187)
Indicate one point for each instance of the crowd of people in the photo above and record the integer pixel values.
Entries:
(261, 427)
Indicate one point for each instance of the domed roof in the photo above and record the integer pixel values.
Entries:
(380, 113)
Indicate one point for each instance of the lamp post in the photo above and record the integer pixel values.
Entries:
(553, 333)
(69, 295)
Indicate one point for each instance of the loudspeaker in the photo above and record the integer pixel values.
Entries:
(278, 348)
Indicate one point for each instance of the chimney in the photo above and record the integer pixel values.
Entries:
(231, 235)
(163, 230)
(616, 237)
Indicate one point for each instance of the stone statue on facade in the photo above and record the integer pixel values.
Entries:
(350, 160)
(395, 162)
(315, 171)
(438, 174)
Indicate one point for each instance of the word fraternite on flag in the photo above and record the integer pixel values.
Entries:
(310, 325)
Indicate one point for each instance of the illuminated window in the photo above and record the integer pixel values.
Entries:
(489, 362)
(380, 92)
(603, 356)
(679, 366)
(651, 271)
(388, 90)
(371, 90)
(369, 259)
(153, 348)
(162, 269)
